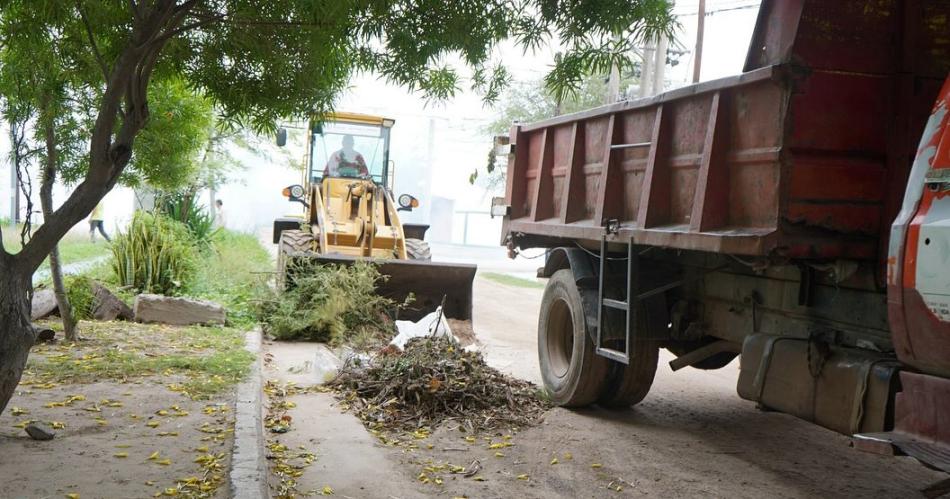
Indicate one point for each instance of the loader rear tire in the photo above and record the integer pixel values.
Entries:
(573, 374)
(292, 243)
(417, 249)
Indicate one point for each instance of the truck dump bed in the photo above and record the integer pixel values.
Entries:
(805, 154)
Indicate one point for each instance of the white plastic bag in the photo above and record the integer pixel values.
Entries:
(433, 324)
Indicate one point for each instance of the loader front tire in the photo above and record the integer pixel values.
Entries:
(417, 249)
(573, 374)
(292, 243)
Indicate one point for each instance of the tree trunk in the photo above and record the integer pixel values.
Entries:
(46, 202)
(16, 331)
(122, 112)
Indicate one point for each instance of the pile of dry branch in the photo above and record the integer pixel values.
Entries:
(432, 382)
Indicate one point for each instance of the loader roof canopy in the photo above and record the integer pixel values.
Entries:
(370, 140)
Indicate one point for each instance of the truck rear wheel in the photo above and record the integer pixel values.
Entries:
(573, 374)
(292, 243)
(417, 249)
(628, 384)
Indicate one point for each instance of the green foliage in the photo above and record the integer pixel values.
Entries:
(230, 275)
(199, 221)
(167, 151)
(155, 255)
(261, 60)
(79, 292)
(327, 303)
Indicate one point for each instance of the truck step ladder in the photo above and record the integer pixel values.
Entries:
(629, 307)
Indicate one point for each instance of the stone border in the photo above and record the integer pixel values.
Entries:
(248, 477)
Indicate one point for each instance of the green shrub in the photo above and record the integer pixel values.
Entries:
(229, 275)
(200, 221)
(328, 303)
(80, 295)
(155, 255)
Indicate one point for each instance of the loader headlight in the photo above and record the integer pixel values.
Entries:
(407, 202)
(294, 192)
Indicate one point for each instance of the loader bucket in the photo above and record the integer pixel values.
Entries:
(427, 281)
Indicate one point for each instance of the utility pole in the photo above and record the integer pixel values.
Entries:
(613, 85)
(700, 27)
(659, 65)
(613, 81)
(646, 68)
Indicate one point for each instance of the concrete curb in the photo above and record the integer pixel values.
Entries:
(248, 477)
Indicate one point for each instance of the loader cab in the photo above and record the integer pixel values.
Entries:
(370, 140)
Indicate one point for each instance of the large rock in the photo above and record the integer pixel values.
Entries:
(177, 311)
(44, 304)
(108, 306)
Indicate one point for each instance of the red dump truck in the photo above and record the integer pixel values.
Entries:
(797, 214)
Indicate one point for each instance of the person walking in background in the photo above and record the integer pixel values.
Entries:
(95, 221)
(219, 218)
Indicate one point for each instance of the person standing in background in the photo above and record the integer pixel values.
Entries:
(219, 217)
(95, 221)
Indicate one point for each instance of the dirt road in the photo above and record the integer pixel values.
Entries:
(691, 436)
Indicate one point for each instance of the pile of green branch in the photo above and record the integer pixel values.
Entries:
(335, 304)
(434, 381)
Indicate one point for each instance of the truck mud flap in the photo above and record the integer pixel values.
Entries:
(427, 281)
(843, 389)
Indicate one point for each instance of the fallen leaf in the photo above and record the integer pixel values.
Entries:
(523, 476)
(327, 491)
(499, 454)
(153, 456)
(596, 465)
(554, 461)
(121, 455)
(164, 462)
(72, 496)
(568, 456)
(152, 424)
(17, 411)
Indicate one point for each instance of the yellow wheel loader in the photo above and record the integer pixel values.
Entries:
(350, 214)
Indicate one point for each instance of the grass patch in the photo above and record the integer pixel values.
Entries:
(510, 280)
(208, 359)
(231, 274)
(73, 248)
